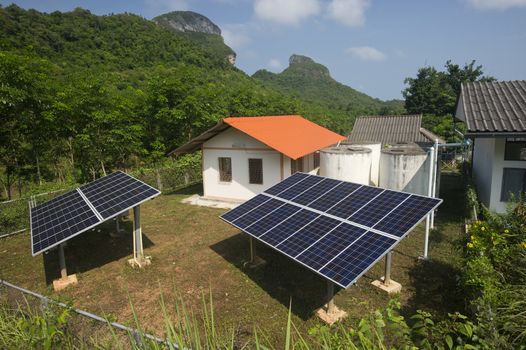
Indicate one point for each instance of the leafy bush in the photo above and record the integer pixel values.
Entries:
(494, 274)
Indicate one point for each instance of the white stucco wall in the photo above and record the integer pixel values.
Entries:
(483, 154)
(488, 165)
(240, 148)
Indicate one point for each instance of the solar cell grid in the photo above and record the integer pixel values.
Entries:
(288, 227)
(272, 219)
(375, 210)
(302, 222)
(330, 245)
(76, 211)
(58, 220)
(407, 215)
(256, 214)
(354, 201)
(241, 210)
(355, 260)
(309, 234)
(300, 187)
(332, 197)
(287, 183)
(316, 191)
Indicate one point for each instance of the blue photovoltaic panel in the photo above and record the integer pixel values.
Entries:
(59, 219)
(300, 187)
(407, 215)
(256, 214)
(272, 219)
(334, 196)
(70, 214)
(336, 228)
(309, 234)
(286, 184)
(355, 201)
(371, 213)
(115, 193)
(331, 245)
(358, 258)
(246, 207)
(317, 191)
(288, 227)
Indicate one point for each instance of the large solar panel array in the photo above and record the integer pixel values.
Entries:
(74, 212)
(337, 229)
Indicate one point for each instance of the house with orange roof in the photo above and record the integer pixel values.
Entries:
(243, 156)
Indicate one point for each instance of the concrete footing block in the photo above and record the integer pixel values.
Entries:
(63, 283)
(392, 288)
(332, 317)
(140, 263)
(258, 262)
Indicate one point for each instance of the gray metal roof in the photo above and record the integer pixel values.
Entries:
(391, 129)
(493, 107)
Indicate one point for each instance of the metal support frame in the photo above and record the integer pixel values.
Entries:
(430, 194)
(138, 251)
(331, 308)
(62, 261)
(387, 274)
(252, 250)
(434, 183)
(117, 224)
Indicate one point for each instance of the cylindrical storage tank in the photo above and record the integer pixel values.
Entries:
(404, 168)
(346, 163)
(375, 160)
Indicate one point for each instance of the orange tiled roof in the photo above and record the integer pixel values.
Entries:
(292, 135)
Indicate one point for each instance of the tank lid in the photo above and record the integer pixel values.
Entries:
(346, 150)
(404, 151)
(359, 143)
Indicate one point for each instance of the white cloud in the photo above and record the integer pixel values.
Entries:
(366, 53)
(274, 65)
(286, 11)
(348, 12)
(234, 35)
(496, 4)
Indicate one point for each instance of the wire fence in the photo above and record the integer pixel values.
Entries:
(14, 214)
(9, 291)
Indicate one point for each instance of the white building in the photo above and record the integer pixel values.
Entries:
(495, 116)
(245, 155)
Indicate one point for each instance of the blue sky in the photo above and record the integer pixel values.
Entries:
(371, 45)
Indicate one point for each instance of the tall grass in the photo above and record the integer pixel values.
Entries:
(52, 327)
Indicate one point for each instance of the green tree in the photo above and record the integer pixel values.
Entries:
(434, 93)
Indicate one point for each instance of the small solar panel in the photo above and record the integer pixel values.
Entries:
(337, 229)
(115, 193)
(74, 212)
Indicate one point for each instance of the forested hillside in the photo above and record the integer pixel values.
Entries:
(82, 95)
(312, 83)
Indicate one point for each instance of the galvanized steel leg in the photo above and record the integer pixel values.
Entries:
(62, 261)
(138, 252)
(330, 297)
(387, 275)
(252, 250)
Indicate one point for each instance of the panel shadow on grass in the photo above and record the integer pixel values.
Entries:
(281, 277)
(436, 289)
(93, 249)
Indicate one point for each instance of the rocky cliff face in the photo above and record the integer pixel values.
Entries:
(306, 65)
(187, 21)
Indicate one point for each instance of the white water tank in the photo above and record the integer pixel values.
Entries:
(375, 160)
(347, 163)
(404, 167)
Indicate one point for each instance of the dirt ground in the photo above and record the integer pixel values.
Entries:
(194, 252)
